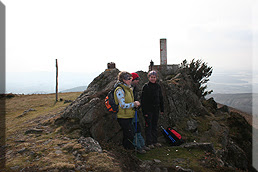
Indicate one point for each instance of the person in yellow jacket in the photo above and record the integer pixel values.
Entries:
(124, 97)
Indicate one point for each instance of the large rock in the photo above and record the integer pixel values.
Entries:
(180, 102)
(183, 109)
(89, 108)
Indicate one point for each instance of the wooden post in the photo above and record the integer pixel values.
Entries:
(56, 81)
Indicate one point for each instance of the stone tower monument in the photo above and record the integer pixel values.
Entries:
(164, 68)
(163, 52)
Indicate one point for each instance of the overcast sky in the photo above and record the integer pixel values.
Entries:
(85, 35)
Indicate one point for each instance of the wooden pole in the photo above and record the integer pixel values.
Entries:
(56, 81)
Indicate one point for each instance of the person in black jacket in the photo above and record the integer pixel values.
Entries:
(152, 105)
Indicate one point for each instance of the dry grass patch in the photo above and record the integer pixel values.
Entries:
(59, 166)
(102, 162)
(72, 146)
(38, 150)
(50, 165)
(44, 105)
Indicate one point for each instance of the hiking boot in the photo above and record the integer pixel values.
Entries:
(157, 145)
(141, 151)
(151, 146)
(146, 148)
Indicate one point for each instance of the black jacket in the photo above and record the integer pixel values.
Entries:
(135, 93)
(151, 98)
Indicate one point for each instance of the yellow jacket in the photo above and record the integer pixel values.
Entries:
(129, 98)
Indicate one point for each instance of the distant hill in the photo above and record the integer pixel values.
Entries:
(243, 101)
(75, 89)
(44, 82)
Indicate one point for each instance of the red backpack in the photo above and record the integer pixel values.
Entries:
(174, 132)
(176, 136)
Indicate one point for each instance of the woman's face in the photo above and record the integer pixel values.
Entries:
(128, 82)
(153, 79)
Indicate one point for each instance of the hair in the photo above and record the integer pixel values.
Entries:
(123, 75)
(153, 72)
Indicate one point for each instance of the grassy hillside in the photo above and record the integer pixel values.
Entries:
(34, 142)
(39, 106)
(30, 141)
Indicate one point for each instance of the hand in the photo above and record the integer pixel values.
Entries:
(137, 103)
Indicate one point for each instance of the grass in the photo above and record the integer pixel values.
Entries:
(42, 104)
(175, 156)
(102, 162)
(36, 149)
(194, 159)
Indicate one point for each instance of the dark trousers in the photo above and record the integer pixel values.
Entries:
(151, 123)
(128, 132)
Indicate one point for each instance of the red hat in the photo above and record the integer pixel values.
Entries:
(135, 76)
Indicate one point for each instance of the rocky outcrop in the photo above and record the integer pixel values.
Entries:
(95, 121)
(196, 119)
(180, 103)
(90, 110)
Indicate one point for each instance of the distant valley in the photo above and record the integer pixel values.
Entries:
(76, 89)
(44, 82)
(243, 101)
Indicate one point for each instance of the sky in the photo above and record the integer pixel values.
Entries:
(86, 35)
